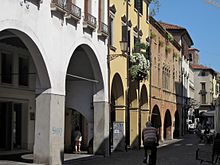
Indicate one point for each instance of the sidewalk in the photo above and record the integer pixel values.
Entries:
(69, 157)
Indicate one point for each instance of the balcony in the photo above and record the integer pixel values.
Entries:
(58, 5)
(73, 11)
(89, 21)
(103, 29)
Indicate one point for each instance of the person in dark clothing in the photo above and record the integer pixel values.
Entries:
(150, 140)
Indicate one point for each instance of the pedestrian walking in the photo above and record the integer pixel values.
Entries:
(150, 141)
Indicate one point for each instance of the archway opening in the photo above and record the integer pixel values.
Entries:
(117, 114)
(83, 85)
(167, 125)
(144, 111)
(176, 132)
(23, 76)
(133, 116)
(156, 119)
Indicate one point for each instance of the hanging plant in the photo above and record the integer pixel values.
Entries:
(140, 63)
(170, 37)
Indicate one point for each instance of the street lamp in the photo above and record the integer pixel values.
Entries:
(124, 46)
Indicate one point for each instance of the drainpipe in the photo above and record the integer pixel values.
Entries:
(108, 65)
(139, 108)
(127, 113)
(150, 92)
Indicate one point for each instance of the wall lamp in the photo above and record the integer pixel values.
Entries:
(124, 46)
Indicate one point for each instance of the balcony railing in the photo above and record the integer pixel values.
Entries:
(90, 21)
(58, 4)
(103, 29)
(73, 10)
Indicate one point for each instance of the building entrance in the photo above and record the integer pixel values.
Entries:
(10, 125)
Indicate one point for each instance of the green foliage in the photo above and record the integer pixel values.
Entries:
(154, 7)
(139, 62)
(170, 37)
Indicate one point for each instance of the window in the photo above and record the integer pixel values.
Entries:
(124, 36)
(129, 42)
(203, 73)
(6, 68)
(203, 93)
(158, 75)
(111, 30)
(147, 12)
(101, 11)
(203, 86)
(203, 99)
(136, 40)
(138, 4)
(23, 71)
(190, 57)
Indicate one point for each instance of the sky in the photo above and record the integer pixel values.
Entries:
(202, 21)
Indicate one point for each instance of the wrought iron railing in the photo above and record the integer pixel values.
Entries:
(103, 28)
(60, 3)
(73, 9)
(90, 20)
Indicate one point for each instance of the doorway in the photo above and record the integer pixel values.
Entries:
(10, 125)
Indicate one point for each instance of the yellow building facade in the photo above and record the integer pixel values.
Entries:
(130, 107)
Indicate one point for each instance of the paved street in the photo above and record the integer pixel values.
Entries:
(180, 153)
(175, 152)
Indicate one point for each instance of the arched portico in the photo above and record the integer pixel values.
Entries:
(32, 94)
(156, 119)
(85, 93)
(144, 111)
(176, 132)
(167, 126)
(134, 113)
(117, 113)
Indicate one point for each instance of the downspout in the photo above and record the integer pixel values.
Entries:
(150, 92)
(108, 65)
(127, 133)
(139, 108)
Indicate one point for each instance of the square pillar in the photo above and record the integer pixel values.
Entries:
(101, 128)
(49, 129)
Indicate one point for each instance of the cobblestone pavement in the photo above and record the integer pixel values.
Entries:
(180, 153)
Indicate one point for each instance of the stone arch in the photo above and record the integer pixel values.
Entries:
(85, 91)
(167, 125)
(37, 52)
(117, 110)
(144, 98)
(176, 132)
(117, 90)
(156, 118)
(133, 139)
(18, 36)
(133, 101)
(97, 59)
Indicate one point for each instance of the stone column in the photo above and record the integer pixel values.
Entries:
(49, 129)
(101, 128)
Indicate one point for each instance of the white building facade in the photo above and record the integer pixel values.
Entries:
(54, 76)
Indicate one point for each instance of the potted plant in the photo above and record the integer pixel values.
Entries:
(140, 63)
